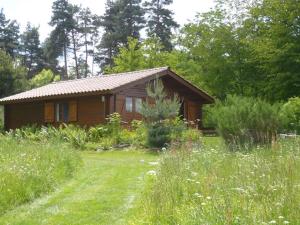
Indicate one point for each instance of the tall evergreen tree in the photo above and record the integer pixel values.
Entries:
(160, 21)
(122, 19)
(89, 24)
(9, 35)
(31, 50)
(61, 20)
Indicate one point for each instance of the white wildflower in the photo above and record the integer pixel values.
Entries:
(152, 172)
(208, 198)
(272, 222)
(286, 222)
(153, 163)
(280, 217)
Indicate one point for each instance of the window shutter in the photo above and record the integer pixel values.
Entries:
(72, 111)
(49, 112)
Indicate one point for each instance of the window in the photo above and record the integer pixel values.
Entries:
(129, 104)
(138, 104)
(62, 112)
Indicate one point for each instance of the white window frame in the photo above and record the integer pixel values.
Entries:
(129, 104)
(138, 104)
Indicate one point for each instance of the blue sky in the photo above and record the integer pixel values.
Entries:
(38, 12)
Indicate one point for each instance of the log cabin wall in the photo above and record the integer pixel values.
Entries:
(192, 105)
(90, 111)
(22, 114)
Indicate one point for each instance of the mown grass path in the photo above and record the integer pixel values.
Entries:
(102, 192)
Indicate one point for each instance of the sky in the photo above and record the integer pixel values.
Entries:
(38, 12)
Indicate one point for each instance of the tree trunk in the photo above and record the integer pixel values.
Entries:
(65, 76)
(86, 51)
(75, 54)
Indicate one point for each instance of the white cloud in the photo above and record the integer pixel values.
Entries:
(38, 12)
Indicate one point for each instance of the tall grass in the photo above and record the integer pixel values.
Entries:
(214, 186)
(28, 169)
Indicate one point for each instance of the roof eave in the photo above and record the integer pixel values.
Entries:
(53, 97)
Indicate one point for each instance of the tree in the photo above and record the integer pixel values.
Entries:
(273, 36)
(130, 58)
(12, 76)
(89, 24)
(122, 19)
(61, 20)
(9, 35)
(159, 108)
(43, 78)
(31, 51)
(160, 21)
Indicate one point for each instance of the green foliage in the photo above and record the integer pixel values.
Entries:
(158, 113)
(244, 122)
(290, 114)
(212, 186)
(1, 118)
(163, 107)
(43, 78)
(160, 21)
(12, 76)
(28, 170)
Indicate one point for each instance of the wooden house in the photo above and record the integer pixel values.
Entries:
(89, 101)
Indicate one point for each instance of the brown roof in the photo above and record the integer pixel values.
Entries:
(103, 83)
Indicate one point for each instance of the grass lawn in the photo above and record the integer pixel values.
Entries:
(101, 193)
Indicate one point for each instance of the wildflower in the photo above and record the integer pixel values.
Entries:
(286, 222)
(153, 163)
(194, 174)
(197, 182)
(280, 217)
(272, 222)
(203, 203)
(208, 198)
(152, 172)
(163, 149)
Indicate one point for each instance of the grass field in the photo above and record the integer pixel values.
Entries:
(209, 185)
(215, 186)
(28, 170)
(101, 193)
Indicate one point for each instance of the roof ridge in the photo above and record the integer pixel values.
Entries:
(113, 74)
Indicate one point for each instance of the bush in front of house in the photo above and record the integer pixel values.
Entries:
(157, 111)
(244, 122)
(28, 170)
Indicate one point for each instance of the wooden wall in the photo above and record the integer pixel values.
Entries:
(90, 111)
(192, 104)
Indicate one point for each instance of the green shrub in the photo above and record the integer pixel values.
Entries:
(114, 126)
(290, 114)
(29, 169)
(95, 134)
(159, 134)
(244, 122)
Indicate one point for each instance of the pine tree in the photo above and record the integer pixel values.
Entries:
(9, 35)
(160, 21)
(61, 21)
(31, 51)
(122, 19)
(89, 24)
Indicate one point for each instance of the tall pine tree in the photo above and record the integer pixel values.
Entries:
(160, 21)
(122, 19)
(31, 51)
